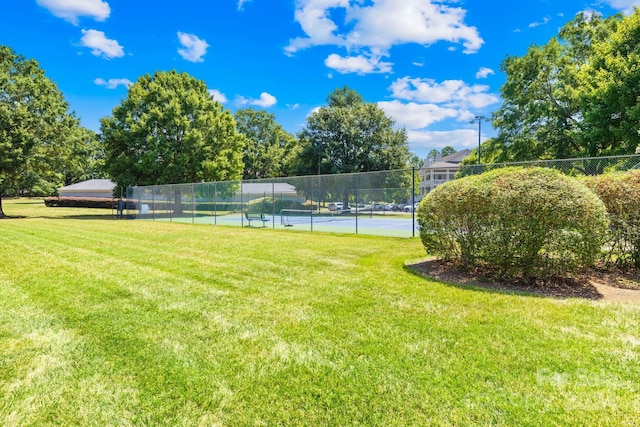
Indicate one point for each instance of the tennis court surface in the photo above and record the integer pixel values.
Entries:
(381, 224)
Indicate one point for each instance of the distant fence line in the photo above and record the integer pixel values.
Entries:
(573, 167)
(367, 203)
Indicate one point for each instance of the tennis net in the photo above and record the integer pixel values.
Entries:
(289, 217)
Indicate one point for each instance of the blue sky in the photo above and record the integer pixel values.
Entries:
(432, 65)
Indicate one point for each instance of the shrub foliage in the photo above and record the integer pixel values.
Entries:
(620, 192)
(81, 202)
(532, 223)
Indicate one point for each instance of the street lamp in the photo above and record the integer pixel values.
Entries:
(479, 119)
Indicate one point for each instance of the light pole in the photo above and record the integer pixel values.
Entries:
(479, 119)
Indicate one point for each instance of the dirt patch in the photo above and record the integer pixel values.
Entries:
(593, 284)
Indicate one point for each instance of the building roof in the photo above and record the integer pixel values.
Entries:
(267, 187)
(91, 185)
(450, 161)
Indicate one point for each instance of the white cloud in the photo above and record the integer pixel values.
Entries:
(421, 103)
(218, 96)
(624, 5)
(113, 83)
(241, 4)
(194, 47)
(545, 21)
(374, 27)
(484, 72)
(266, 100)
(101, 45)
(415, 116)
(450, 93)
(422, 140)
(70, 10)
(357, 64)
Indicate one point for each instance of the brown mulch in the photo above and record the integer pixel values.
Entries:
(593, 284)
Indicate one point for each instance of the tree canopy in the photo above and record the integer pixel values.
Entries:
(35, 126)
(269, 150)
(350, 135)
(170, 130)
(576, 96)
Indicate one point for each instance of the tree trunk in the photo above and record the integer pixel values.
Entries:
(177, 207)
(2, 214)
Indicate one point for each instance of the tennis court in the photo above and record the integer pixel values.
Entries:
(382, 224)
(294, 203)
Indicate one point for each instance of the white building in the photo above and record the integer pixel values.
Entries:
(442, 170)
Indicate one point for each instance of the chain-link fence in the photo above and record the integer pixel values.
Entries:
(573, 167)
(380, 203)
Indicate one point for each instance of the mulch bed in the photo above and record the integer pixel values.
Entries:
(592, 284)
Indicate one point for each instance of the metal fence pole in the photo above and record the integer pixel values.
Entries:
(413, 202)
(215, 203)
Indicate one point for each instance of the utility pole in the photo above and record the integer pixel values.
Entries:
(479, 119)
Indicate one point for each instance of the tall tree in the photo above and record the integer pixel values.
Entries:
(611, 90)
(350, 135)
(269, 151)
(543, 112)
(448, 150)
(170, 130)
(34, 118)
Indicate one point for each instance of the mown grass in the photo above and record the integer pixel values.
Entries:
(115, 322)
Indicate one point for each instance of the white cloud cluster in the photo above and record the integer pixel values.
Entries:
(360, 64)
(100, 45)
(71, 10)
(413, 115)
(420, 103)
(544, 21)
(194, 47)
(113, 83)
(370, 29)
(419, 139)
(624, 5)
(218, 96)
(266, 100)
(450, 93)
(241, 4)
(484, 72)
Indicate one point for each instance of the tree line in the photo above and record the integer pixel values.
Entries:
(169, 130)
(575, 96)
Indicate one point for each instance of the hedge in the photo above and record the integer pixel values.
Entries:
(620, 192)
(82, 202)
(532, 223)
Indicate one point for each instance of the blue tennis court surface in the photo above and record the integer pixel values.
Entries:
(397, 225)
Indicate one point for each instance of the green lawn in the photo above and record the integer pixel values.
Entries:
(116, 322)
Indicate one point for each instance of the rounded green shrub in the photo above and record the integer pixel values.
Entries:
(620, 192)
(532, 223)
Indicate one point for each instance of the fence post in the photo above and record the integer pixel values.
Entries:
(215, 202)
(357, 201)
(413, 201)
(193, 205)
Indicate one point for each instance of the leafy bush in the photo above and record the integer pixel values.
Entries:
(532, 223)
(620, 192)
(81, 202)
